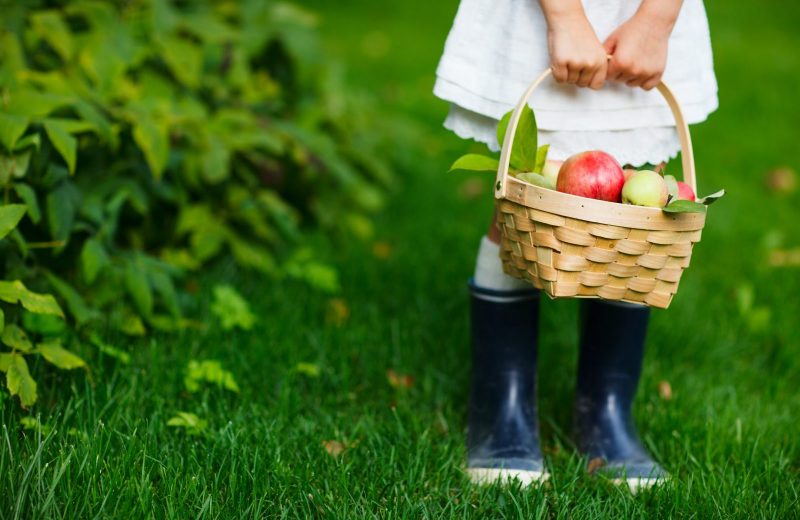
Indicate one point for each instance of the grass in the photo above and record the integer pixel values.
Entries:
(728, 435)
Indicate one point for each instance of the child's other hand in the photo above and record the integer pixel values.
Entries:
(576, 55)
(638, 50)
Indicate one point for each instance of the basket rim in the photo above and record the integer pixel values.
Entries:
(600, 211)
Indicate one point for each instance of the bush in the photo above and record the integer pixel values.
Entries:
(141, 140)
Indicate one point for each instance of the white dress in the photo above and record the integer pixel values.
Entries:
(497, 47)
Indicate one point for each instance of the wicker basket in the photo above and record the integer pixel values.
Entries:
(572, 246)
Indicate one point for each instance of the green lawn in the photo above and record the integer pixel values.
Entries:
(729, 346)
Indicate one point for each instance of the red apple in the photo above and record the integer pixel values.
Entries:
(594, 174)
(685, 192)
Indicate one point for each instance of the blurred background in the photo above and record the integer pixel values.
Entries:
(234, 272)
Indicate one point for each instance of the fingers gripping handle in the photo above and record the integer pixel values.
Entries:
(687, 156)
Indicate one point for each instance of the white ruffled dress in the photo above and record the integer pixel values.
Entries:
(497, 47)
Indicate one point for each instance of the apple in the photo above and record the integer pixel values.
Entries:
(593, 174)
(685, 191)
(536, 179)
(550, 170)
(627, 172)
(645, 188)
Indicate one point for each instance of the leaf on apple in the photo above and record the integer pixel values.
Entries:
(710, 199)
(684, 206)
(524, 149)
(475, 162)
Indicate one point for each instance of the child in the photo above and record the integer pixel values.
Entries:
(606, 56)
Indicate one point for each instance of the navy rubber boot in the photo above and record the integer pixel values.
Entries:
(609, 366)
(503, 430)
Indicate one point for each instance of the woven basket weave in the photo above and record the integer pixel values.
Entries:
(571, 246)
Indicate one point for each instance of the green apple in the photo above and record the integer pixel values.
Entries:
(536, 179)
(645, 188)
(550, 170)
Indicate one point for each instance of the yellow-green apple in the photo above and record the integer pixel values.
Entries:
(645, 188)
(685, 191)
(627, 172)
(536, 179)
(550, 170)
(593, 174)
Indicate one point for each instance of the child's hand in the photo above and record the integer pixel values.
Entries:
(638, 48)
(576, 55)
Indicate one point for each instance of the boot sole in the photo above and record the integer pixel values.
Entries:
(494, 475)
(637, 484)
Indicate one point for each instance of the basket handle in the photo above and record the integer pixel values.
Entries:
(687, 156)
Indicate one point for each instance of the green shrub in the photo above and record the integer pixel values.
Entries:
(140, 140)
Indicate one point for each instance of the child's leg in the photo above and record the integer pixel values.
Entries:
(488, 267)
(503, 431)
(609, 366)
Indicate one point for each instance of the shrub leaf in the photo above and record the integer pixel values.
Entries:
(10, 215)
(19, 381)
(53, 352)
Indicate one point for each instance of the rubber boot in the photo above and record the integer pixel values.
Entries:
(609, 366)
(503, 430)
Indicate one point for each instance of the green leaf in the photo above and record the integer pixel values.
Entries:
(541, 157)
(162, 283)
(318, 275)
(215, 161)
(62, 205)
(192, 424)
(251, 255)
(44, 324)
(231, 309)
(93, 260)
(110, 351)
(475, 162)
(525, 147)
(13, 166)
(33, 424)
(208, 371)
(53, 352)
(184, 59)
(19, 381)
(152, 137)
(307, 369)
(5, 361)
(10, 215)
(49, 26)
(2, 321)
(28, 196)
(710, 199)
(72, 126)
(32, 103)
(30, 140)
(16, 338)
(684, 206)
(67, 146)
(129, 323)
(16, 292)
(76, 305)
(139, 288)
(11, 129)
(98, 121)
